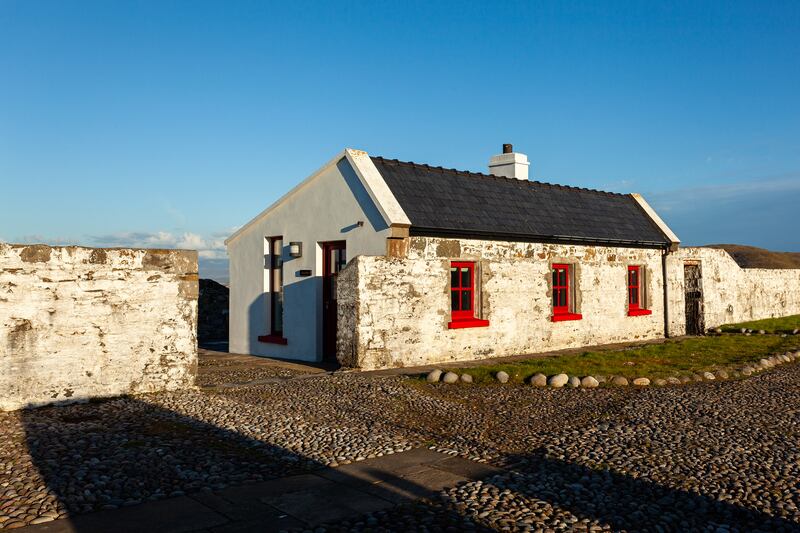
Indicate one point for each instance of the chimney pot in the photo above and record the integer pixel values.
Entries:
(508, 148)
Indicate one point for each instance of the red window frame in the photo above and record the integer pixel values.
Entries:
(635, 292)
(462, 296)
(561, 293)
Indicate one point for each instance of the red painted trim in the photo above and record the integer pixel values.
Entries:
(561, 317)
(561, 309)
(467, 317)
(467, 323)
(272, 339)
(639, 312)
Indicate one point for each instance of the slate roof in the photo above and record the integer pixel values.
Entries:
(447, 202)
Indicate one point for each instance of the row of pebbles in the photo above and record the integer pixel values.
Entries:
(558, 381)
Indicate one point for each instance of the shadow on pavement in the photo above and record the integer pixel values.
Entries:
(127, 465)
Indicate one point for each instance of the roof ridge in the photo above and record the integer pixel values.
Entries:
(492, 176)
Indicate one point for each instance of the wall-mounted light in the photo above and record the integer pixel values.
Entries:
(296, 249)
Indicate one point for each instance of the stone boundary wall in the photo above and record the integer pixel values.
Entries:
(79, 323)
(394, 311)
(731, 294)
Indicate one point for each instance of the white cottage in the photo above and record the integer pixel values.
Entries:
(380, 263)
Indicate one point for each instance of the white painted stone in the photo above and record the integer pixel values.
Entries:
(589, 382)
(466, 378)
(574, 381)
(641, 382)
(450, 377)
(539, 380)
(558, 381)
(708, 375)
(79, 323)
(502, 377)
(434, 376)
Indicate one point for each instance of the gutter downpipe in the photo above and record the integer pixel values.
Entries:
(664, 255)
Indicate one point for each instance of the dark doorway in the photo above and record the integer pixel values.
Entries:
(334, 258)
(693, 285)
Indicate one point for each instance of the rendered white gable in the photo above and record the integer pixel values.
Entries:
(369, 176)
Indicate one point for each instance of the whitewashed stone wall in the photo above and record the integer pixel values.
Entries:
(731, 294)
(394, 312)
(77, 323)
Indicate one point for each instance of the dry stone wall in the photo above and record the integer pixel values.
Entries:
(78, 323)
(395, 311)
(731, 294)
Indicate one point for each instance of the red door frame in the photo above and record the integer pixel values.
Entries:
(329, 317)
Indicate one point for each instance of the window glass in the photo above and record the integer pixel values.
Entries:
(465, 281)
(453, 277)
(455, 300)
(466, 300)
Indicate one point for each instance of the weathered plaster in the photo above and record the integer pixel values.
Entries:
(731, 294)
(394, 311)
(77, 323)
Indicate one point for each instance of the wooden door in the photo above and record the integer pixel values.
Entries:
(693, 287)
(334, 259)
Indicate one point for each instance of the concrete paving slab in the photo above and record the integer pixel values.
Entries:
(466, 468)
(317, 506)
(174, 515)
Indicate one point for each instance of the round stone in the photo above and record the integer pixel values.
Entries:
(641, 382)
(434, 375)
(718, 330)
(762, 332)
(450, 377)
(709, 376)
(765, 363)
(466, 378)
(539, 380)
(574, 381)
(796, 331)
(747, 371)
(619, 381)
(557, 381)
(674, 381)
(743, 330)
(658, 382)
(589, 382)
(502, 377)
(721, 374)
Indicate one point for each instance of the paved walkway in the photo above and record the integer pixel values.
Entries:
(300, 501)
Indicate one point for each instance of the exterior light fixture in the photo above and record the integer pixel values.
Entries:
(296, 249)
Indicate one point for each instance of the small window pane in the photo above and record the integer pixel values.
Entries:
(633, 296)
(562, 300)
(454, 277)
(455, 300)
(633, 277)
(555, 277)
(466, 300)
(562, 277)
(465, 277)
(555, 297)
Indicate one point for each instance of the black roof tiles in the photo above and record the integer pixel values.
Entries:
(440, 201)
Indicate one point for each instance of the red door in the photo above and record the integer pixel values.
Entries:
(334, 259)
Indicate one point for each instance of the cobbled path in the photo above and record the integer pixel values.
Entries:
(720, 456)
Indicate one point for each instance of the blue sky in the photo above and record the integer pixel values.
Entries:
(170, 123)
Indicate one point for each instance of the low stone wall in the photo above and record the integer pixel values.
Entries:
(395, 311)
(78, 323)
(731, 294)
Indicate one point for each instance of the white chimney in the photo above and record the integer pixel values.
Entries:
(509, 164)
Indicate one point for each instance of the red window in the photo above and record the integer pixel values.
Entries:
(561, 295)
(462, 296)
(635, 307)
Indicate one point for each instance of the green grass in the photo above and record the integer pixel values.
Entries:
(672, 358)
(786, 324)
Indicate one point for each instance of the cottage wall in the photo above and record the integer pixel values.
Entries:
(731, 294)
(78, 323)
(330, 210)
(394, 312)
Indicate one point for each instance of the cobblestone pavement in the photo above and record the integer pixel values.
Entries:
(719, 456)
(222, 369)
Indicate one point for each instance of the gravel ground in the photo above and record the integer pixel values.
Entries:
(706, 456)
(216, 372)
